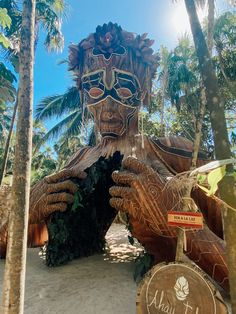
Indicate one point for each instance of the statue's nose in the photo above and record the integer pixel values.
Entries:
(110, 100)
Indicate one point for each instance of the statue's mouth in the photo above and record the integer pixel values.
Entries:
(111, 125)
(110, 120)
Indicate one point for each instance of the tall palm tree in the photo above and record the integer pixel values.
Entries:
(221, 141)
(14, 276)
(48, 14)
(182, 78)
(163, 78)
(210, 24)
(225, 41)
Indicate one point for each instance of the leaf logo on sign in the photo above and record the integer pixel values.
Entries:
(181, 288)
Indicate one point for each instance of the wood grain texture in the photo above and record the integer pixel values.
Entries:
(178, 288)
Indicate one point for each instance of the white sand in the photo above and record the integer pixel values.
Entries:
(100, 284)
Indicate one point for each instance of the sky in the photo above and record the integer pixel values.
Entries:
(163, 20)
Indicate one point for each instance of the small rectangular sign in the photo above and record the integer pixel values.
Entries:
(185, 219)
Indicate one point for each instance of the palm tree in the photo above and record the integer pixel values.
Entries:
(163, 78)
(210, 24)
(222, 146)
(7, 95)
(66, 107)
(14, 276)
(224, 38)
(182, 81)
(48, 14)
(5, 120)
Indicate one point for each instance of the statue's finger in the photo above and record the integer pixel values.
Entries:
(56, 207)
(65, 174)
(60, 197)
(136, 166)
(62, 186)
(123, 177)
(120, 191)
(120, 204)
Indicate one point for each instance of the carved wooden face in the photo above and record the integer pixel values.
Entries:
(113, 70)
(113, 102)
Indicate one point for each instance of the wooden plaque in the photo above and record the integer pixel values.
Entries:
(178, 288)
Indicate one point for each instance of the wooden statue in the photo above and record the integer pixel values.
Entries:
(114, 71)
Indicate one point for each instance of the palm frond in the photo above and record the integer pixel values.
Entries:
(57, 105)
(51, 22)
(74, 126)
(59, 128)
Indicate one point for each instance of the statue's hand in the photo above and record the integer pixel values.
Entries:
(141, 193)
(53, 193)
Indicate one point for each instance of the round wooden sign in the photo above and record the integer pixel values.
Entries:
(178, 288)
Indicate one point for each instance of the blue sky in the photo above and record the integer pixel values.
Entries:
(163, 20)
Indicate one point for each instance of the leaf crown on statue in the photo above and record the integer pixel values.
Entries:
(112, 47)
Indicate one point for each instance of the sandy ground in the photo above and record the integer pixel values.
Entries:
(100, 284)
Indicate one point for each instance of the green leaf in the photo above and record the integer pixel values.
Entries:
(5, 20)
(59, 6)
(76, 202)
(201, 178)
(4, 41)
(214, 177)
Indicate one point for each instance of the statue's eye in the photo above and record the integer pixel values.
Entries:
(124, 92)
(96, 92)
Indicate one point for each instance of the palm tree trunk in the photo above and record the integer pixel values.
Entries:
(210, 28)
(164, 83)
(14, 277)
(196, 147)
(198, 128)
(7, 146)
(214, 103)
(221, 141)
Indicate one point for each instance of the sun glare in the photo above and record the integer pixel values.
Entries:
(179, 19)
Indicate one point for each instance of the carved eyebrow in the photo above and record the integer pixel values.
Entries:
(127, 78)
(93, 75)
(91, 78)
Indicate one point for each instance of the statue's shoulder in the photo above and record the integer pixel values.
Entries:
(177, 145)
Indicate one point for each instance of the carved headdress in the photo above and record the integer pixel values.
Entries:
(112, 47)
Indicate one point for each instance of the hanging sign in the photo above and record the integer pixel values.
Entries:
(185, 219)
(178, 288)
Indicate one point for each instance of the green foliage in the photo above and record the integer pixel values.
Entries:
(213, 178)
(80, 231)
(142, 265)
(65, 148)
(5, 20)
(49, 14)
(43, 161)
(66, 107)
